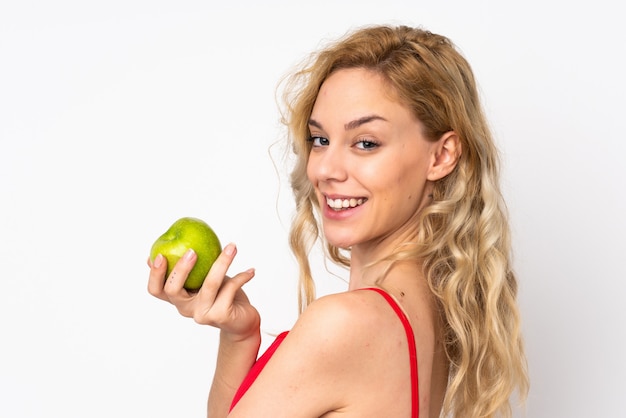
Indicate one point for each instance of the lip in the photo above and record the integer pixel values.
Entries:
(343, 214)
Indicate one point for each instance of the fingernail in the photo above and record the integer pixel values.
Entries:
(230, 249)
(158, 260)
(189, 254)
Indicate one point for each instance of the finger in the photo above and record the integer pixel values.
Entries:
(216, 276)
(156, 280)
(176, 280)
(230, 288)
(218, 312)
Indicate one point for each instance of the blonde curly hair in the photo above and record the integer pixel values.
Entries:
(463, 235)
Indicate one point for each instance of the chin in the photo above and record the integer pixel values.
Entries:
(340, 242)
(341, 235)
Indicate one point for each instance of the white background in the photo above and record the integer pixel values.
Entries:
(119, 117)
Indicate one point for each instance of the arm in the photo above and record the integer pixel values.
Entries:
(221, 303)
(234, 359)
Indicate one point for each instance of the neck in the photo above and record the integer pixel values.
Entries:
(368, 271)
(366, 265)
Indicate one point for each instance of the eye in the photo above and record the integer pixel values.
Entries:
(366, 144)
(318, 141)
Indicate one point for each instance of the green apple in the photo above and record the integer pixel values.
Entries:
(184, 234)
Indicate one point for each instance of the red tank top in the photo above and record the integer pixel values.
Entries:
(267, 355)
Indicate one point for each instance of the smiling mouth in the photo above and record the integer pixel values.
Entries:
(343, 204)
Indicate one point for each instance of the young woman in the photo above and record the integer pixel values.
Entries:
(397, 174)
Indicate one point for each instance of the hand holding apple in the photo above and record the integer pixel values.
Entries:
(188, 233)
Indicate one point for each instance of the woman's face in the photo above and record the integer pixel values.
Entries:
(369, 162)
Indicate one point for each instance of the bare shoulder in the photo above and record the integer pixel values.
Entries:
(354, 313)
(337, 334)
(347, 329)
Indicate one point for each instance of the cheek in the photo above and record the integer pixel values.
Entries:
(411, 183)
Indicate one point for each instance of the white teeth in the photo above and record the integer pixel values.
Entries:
(344, 203)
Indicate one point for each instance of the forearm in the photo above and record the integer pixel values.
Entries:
(234, 359)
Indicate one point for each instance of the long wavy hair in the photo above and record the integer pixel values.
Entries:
(463, 235)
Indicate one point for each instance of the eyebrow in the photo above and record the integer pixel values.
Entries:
(352, 124)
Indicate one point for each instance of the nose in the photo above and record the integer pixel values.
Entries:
(327, 164)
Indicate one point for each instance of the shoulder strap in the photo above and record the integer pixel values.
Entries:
(412, 349)
(256, 369)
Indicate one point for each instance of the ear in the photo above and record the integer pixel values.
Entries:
(446, 155)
